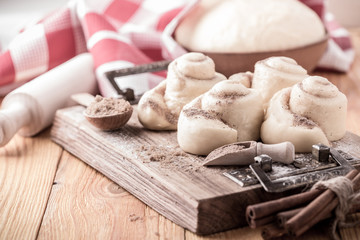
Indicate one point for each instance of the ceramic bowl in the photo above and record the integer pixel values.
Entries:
(307, 56)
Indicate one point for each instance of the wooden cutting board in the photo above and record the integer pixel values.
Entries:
(152, 167)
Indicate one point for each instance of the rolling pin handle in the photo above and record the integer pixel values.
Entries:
(32, 107)
(12, 118)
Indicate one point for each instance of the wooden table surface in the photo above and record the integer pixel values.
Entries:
(46, 193)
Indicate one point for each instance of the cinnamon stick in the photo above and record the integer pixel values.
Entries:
(260, 210)
(283, 217)
(326, 213)
(254, 223)
(272, 231)
(317, 210)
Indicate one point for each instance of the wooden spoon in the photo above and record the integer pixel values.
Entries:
(107, 122)
(243, 153)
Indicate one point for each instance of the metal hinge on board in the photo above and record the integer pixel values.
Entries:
(128, 93)
(327, 162)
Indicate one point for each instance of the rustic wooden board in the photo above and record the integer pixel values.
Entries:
(173, 183)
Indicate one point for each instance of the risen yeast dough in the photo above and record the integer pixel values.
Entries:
(249, 26)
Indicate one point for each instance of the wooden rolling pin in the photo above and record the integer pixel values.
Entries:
(31, 107)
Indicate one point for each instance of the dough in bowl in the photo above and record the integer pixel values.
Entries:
(227, 113)
(188, 77)
(311, 112)
(244, 26)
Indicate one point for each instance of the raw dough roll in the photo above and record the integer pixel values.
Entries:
(153, 112)
(300, 117)
(275, 73)
(227, 113)
(244, 78)
(321, 101)
(188, 77)
(200, 131)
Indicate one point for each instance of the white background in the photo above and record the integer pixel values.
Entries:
(16, 14)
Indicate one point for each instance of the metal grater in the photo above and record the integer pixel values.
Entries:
(323, 163)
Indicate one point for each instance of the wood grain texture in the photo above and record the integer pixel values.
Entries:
(318, 232)
(86, 205)
(27, 170)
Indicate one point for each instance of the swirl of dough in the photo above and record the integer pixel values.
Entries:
(200, 132)
(244, 78)
(275, 73)
(195, 65)
(321, 101)
(305, 114)
(227, 113)
(188, 77)
(153, 112)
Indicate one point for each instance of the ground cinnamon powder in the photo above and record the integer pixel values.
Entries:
(170, 157)
(224, 150)
(107, 106)
(161, 154)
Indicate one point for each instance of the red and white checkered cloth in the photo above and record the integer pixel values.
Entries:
(123, 33)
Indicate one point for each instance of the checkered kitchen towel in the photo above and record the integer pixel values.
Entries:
(123, 33)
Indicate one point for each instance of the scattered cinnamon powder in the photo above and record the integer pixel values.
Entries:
(107, 106)
(303, 121)
(193, 112)
(229, 95)
(170, 157)
(155, 153)
(133, 218)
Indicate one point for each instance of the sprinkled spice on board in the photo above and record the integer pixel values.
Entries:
(170, 157)
(161, 154)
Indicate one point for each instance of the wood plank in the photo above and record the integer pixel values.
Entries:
(350, 83)
(27, 170)
(318, 232)
(351, 232)
(240, 233)
(198, 198)
(86, 205)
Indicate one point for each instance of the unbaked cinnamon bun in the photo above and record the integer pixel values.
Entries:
(227, 113)
(311, 112)
(188, 76)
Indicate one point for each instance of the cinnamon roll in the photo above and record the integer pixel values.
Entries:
(243, 78)
(227, 113)
(313, 111)
(153, 112)
(275, 73)
(188, 77)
